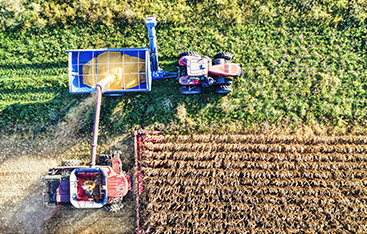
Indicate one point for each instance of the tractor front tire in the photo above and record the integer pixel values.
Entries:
(189, 53)
(223, 89)
(225, 55)
(70, 163)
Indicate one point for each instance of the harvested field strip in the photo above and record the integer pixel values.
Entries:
(253, 184)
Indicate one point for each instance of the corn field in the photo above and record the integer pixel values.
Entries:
(253, 184)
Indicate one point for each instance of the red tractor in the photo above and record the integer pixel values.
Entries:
(196, 72)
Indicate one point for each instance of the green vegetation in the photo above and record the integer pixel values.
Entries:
(304, 64)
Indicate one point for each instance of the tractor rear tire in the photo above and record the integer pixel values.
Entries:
(225, 55)
(189, 53)
(70, 163)
(190, 90)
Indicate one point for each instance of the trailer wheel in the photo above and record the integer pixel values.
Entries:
(70, 163)
(189, 53)
(225, 55)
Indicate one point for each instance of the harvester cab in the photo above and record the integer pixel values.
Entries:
(111, 72)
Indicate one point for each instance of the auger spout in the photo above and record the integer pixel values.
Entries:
(96, 125)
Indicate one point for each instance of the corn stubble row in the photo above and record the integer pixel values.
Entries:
(254, 184)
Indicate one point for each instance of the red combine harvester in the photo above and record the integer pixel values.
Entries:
(90, 186)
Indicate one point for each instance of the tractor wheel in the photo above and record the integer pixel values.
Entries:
(223, 89)
(189, 53)
(70, 163)
(190, 90)
(225, 55)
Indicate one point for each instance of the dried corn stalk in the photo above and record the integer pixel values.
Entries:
(254, 184)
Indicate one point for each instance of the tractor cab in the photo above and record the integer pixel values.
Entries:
(197, 66)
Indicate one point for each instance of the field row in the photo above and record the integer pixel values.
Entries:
(258, 139)
(313, 218)
(251, 156)
(229, 192)
(333, 199)
(269, 148)
(254, 173)
(262, 165)
(296, 184)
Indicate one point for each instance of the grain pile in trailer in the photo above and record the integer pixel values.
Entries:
(251, 184)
